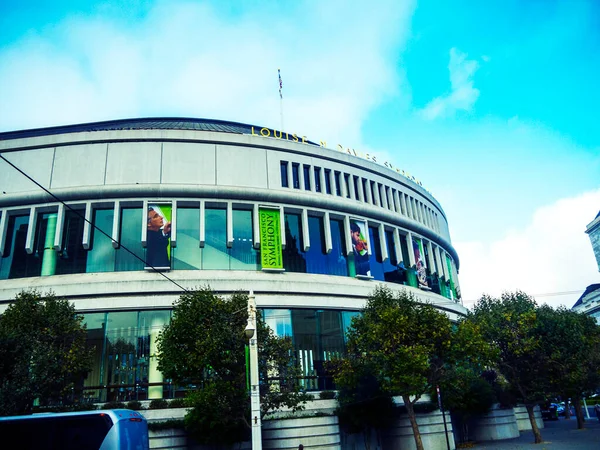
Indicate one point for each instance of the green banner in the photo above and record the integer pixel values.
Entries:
(270, 239)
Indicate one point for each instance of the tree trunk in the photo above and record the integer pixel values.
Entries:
(413, 422)
(567, 410)
(536, 431)
(579, 413)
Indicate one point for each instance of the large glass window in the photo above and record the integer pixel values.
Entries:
(188, 254)
(316, 258)
(377, 270)
(101, 256)
(338, 184)
(16, 263)
(318, 179)
(336, 259)
(243, 254)
(293, 254)
(131, 229)
(279, 320)
(392, 271)
(215, 254)
(328, 181)
(296, 176)
(347, 183)
(73, 257)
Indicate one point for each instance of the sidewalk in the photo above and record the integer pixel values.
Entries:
(561, 434)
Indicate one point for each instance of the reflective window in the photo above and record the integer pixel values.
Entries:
(243, 254)
(318, 179)
(347, 317)
(130, 238)
(101, 256)
(306, 170)
(215, 254)
(279, 320)
(336, 259)
(284, 175)
(328, 181)
(16, 263)
(296, 176)
(293, 254)
(316, 258)
(73, 257)
(188, 254)
(375, 257)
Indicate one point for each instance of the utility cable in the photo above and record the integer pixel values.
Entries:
(87, 221)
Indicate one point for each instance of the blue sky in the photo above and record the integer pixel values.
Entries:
(492, 105)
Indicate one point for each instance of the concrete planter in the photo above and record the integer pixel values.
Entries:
(496, 425)
(523, 422)
(431, 426)
(321, 432)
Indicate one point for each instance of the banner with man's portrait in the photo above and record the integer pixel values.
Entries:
(358, 233)
(421, 266)
(158, 236)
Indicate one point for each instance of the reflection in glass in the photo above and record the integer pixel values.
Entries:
(243, 254)
(73, 257)
(101, 255)
(293, 255)
(375, 257)
(336, 259)
(215, 254)
(188, 254)
(16, 263)
(279, 320)
(130, 237)
(284, 175)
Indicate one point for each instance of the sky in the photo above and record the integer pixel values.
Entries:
(492, 105)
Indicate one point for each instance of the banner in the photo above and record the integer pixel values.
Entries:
(358, 233)
(420, 262)
(270, 239)
(158, 237)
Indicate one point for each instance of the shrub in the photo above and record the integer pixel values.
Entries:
(135, 405)
(177, 403)
(166, 425)
(114, 405)
(158, 403)
(327, 395)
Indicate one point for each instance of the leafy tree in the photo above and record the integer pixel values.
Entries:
(573, 342)
(42, 352)
(204, 346)
(510, 324)
(406, 345)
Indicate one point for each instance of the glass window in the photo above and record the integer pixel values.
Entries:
(392, 271)
(295, 176)
(337, 260)
(279, 320)
(347, 317)
(347, 183)
(293, 254)
(215, 254)
(316, 258)
(317, 179)
(356, 187)
(16, 263)
(131, 229)
(101, 255)
(338, 186)
(304, 325)
(306, 170)
(284, 175)
(243, 254)
(188, 254)
(73, 257)
(375, 257)
(328, 181)
(95, 328)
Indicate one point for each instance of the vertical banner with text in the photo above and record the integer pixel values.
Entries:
(271, 256)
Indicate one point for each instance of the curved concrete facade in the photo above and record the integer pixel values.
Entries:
(196, 165)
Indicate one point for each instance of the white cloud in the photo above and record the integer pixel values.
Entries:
(189, 59)
(462, 96)
(550, 258)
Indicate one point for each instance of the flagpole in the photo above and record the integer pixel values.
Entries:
(280, 99)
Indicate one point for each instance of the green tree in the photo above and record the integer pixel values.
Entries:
(510, 324)
(405, 343)
(204, 345)
(42, 352)
(573, 342)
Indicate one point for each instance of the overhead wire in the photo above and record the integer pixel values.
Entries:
(92, 224)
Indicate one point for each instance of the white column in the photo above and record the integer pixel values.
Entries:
(301, 176)
(403, 203)
(398, 247)
(60, 222)
(430, 260)
(117, 223)
(255, 227)
(327, 233)
(255, 419)
(229, 224)
(343, 190)
(367, 185)
(87, 227)
(382, 243)
(202, 225)
(173, 224)
(305, 234)
(359, 188)
(311, 177)
(289, 173)
(3, 229)
(30, 238)
(347, 236)
(411, 253)
(351, 187)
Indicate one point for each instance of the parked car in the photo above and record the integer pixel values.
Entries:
(549, 411)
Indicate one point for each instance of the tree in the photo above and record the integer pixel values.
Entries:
(573, 341)
(204, 345)
(407, 345)
(42, 352)
(510, 324)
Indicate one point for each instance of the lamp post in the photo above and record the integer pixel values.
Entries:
(252, 335)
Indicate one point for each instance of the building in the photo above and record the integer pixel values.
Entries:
(119, 217)
(589, 302)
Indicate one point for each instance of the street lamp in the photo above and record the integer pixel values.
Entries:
(250, 332)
